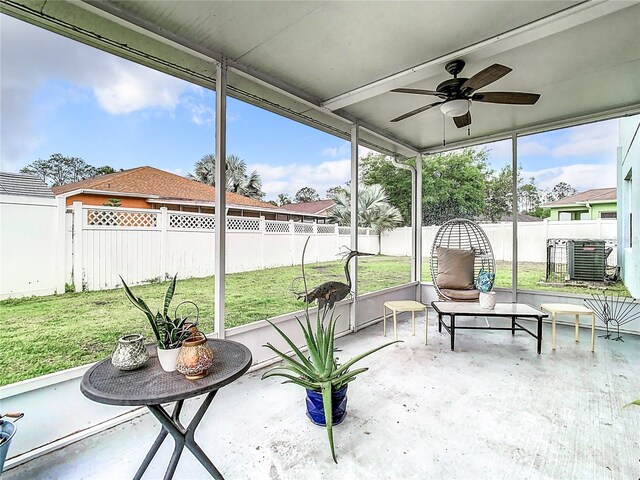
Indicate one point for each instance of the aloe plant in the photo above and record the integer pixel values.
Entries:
(169, 332)
(319, 371)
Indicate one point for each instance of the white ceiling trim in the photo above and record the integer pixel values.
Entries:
(570, 17)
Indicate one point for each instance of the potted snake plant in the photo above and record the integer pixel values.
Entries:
(169, 332)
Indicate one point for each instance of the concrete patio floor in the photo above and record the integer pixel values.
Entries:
(492, 409)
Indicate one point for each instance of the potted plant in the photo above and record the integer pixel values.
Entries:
(169, 332)
(319, 373)
(484, 283)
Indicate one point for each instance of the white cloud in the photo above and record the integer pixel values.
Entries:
(126, 87)
(580, 176)
(291, 178)
(32, 56)
(532, 148)
(330, 152)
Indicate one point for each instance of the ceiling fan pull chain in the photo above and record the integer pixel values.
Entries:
(444, 132)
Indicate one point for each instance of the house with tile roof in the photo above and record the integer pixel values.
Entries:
(589, 205)
(148, 187)
(319, 207)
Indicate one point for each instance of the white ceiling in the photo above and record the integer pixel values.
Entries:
(335, 62)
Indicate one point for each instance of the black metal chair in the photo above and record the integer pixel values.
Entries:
(462, 234)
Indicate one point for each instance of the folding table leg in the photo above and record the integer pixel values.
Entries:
(593, 332)
(395, 325)
(413, 321)
(384, 321)
(553, 331)
(577, 328)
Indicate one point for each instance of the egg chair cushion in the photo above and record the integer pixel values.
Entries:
(455, 268)
(460, 295)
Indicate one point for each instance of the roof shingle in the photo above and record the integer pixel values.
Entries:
(152, 181)
(309, 207)
(595, 195)
(23, 185)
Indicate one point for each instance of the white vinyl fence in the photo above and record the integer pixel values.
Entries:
(146, 245)
(532, 237)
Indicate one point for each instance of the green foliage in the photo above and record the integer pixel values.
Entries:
(60, 170)
(112, 202)
(333, 192)
(635, 402)
(319, 372)
(305, 195)
(283, 199)
(377, 169)
(169, 332)
(69, 287)
(237, 179)
(454, 186)
(374, 209)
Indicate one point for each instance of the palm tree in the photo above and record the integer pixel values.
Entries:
(374, 209)
(237, 180)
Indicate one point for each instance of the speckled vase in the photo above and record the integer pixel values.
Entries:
(130, 353)
(195, 358)
(487, 300)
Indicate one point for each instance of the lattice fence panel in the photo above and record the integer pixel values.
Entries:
(327, 229)
(114, 218)
(344, 230)
(243, 224)
(276, 227)
(303, 228)
(192, 222)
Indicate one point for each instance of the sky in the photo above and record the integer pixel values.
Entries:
(60, 96)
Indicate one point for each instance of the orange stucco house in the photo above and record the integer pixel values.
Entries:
(148, 187)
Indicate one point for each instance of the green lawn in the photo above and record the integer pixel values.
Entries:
(40, 335)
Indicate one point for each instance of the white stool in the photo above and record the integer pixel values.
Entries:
(577, 310)
(399, 306)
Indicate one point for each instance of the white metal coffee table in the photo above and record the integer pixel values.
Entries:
(504, 310)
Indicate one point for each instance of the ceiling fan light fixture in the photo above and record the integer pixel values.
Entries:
(455, 108)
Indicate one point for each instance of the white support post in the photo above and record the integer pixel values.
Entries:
(514, 207)
(353, 324)
(292, 233)
(418, 201)
(61, 247)
(263, 233)
(221, 212)
(77, 245)
(164, 225)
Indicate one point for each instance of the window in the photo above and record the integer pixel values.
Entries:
(564, 216)
(608, 215)
(585, 216)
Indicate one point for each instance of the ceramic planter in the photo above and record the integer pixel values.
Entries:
(195, 358)
(315, 406)
(130, 353)
(487, 300)
(168, 358)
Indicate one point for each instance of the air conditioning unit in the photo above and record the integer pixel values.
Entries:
(586, 260)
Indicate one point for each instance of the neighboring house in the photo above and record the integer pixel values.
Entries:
(317, 208)
(148, 187)
(629, 207)
(589, 205)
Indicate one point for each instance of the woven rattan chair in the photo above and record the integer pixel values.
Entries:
(462, 234)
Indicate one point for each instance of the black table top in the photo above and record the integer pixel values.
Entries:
(151, 385)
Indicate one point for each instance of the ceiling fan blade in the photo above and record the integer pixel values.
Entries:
(418, 91)
(485, 77)
(462, 120)
(510, 98)
(415, 112)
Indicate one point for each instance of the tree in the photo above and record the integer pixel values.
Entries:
(378, 169)
(104, 170)
(112, 202)
(454, 186)
(237, 179)
(333, 192)
(305, 195)
(561, 190)
(529, 198)
(283, 199)
(374, 209)
(60, 170)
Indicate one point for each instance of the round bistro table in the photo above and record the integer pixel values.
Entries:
(151, 386)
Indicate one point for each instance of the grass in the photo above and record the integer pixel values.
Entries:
(40, 335)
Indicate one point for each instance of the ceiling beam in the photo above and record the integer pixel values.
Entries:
(570, 17)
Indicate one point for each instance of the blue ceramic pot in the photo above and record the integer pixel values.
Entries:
(315, 407)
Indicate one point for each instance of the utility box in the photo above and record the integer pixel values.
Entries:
(586, 260)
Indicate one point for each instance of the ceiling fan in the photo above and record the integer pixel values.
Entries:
(458, 93)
